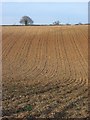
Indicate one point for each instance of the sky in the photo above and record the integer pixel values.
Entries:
(44, 0)
(45, 12)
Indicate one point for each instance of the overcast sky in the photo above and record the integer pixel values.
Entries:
(45, 13)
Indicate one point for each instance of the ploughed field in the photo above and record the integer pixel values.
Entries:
(45, 71)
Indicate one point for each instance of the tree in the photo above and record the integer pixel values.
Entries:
(68, 24)
(26, 20)
(80, 23)
(56, 23)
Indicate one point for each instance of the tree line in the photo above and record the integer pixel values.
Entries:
(26, 20)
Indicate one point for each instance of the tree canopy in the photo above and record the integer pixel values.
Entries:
(26, 20)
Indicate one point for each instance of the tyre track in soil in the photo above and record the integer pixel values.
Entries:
(47, 71)
(19, 65)
(76, 86)
(82, 61)
(56, 70)
(19, 54)
(83, 37)
(49, 110)
(82, 49)
(30, 69)
(10, 57)
(35, 67)
(7, 47)
(55, 74)
(6, 34)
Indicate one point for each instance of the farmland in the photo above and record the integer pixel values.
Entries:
(45, 71)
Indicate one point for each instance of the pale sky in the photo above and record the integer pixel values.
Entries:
(45, 13)
(45, 0)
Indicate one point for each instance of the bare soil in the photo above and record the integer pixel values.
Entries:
(45, 71)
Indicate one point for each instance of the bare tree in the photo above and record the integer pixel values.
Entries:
(26, 20)
(56, 22)
(80, 23)
(68, 24)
